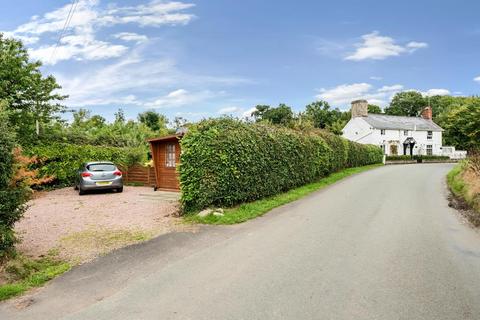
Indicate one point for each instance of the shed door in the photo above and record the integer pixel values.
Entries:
(168, 160)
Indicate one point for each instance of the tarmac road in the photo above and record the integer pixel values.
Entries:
(379, 245)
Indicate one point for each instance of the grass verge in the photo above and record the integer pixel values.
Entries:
(464, 183)
(258, 208)
(23, 273)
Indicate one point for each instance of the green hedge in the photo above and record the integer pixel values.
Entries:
(62, 160)
(12, 198)
(225, 161)
(418, 158)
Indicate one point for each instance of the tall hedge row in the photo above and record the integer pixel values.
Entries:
(62, 160)
(225, 161)
(12, 197)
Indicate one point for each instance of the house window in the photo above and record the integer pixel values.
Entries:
(170, 156)
(429, 150)
(382, 132)
(405, 132)
(429, 134)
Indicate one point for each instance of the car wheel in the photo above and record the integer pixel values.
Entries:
(120, 189)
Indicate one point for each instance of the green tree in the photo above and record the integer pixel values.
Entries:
(281, 115)
(322, 115)
(153, 120)
(407, 103)
(373, 108)
(30, 97)
(462, 125)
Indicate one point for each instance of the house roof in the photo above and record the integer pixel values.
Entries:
(382, 121)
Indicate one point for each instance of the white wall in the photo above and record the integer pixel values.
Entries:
(359, 130)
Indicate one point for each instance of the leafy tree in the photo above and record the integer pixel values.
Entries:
(322, 116)
(407, 103)
(281, 115)
(179, 122)
(462, 125)
(372, 108)
(30, 97)
(120, 116)
(153, 120)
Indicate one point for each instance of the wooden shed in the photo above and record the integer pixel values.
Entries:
(166, 157)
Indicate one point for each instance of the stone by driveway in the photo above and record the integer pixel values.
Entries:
(79, 228)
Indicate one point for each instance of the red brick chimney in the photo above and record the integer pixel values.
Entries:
(427, 113)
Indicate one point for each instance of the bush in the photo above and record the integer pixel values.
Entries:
(12, 197)
(225, 162)
(418, 158)
(399, 158)
(62, 160)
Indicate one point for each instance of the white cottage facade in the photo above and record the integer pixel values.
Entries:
(396, 135)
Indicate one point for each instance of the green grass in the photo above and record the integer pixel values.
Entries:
(454, 180)
(24, 273)
(258, 208)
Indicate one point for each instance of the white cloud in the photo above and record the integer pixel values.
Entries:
(131, 36)
(477, 79)
(248, 113)
(377, 47)
(179, 98)
(80, 41)
(376, 78)
(416, 45)
(436, 92)
(394, 88)
(27, 40)
(229, 110)
(343, 95)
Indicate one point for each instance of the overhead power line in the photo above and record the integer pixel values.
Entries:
(71, 12)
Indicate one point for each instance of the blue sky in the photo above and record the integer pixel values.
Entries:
(209, 57)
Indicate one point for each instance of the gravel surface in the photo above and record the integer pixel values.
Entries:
(80, 228)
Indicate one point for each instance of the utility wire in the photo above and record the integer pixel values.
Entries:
(71, 12)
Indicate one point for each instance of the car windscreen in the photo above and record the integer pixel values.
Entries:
(101, 167)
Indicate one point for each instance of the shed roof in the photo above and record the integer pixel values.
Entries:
(383, 121)
(167, 138)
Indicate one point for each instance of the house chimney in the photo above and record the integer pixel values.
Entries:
(427, 113)
(359, 108)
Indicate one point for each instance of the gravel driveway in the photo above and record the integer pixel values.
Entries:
(79, 228)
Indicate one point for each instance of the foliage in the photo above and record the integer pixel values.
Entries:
(154, 120)
(62, 160)
(29, 95)
(257, 208)
(418, 158)
(372, 108)
(226, 161)
(462, 125)
(323, 117)
(407, 103)
(464, 182)
(12, 195)
(25, 273)
(282, 115)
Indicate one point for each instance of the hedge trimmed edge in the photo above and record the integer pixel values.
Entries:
(225, 161)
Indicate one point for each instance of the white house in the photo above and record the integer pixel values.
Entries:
(396, 135)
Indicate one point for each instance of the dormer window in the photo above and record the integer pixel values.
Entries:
(405, 132)
(382, 132)
(429, 135)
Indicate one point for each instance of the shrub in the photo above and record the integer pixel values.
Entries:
(418, 158)
(12, 197)
(225, 162)
(61, 161)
